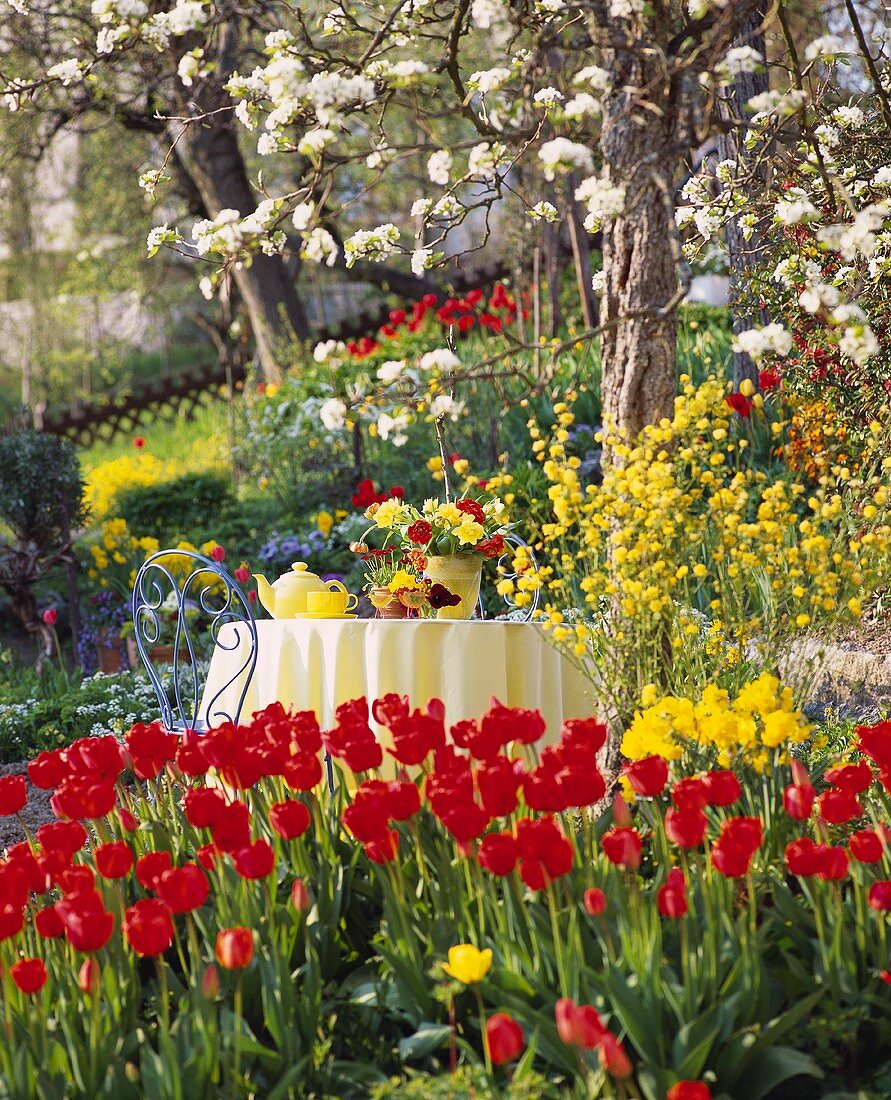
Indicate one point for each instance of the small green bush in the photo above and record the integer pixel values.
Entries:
(175, 509)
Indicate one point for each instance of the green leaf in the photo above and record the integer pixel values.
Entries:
(769, 1068)
(693, 1043)
(426, 1039)
(640, 1020)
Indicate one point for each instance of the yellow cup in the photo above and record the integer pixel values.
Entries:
(336, 601)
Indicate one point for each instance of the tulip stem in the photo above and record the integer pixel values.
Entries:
(482, 1022)
(237, 1037)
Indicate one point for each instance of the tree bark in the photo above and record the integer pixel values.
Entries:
(638, 350)
(743, 254)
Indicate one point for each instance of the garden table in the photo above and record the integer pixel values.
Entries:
(317, 664)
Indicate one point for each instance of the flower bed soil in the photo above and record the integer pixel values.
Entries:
(36, 813)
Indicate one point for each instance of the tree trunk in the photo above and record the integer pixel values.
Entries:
(216, 165)
(743, 254)
(638, 350)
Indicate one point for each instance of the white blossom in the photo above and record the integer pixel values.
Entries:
(882, 178)
(826, 46)
(190, 66)
(439, 166)
(441, 359)
(335, 21)
(442, 405)
(562, 155)
(319, 247)
(394, 426)
(333, 414)
(849, 117)
(581, 105)
(548, 97)
(205, 285)
(371, 244)
(597, 79)
(598, 281)
(544, 211)
(303, 215)
(420, 207)
(69, 72)
(818, 296)
(485, 160)
(420, 260)
(857, 236)
(758, 342)
(698, 9)
(391, 370)
(488, 80)
(188, 15)
(315, 141)
(602, 198)
(625, 9)
(325, 350)
(780, 104)
(487, 14)
(741, 59)
(796, 207)
(160, 235)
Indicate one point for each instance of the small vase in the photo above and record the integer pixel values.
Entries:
(461, 575)
(386, 605)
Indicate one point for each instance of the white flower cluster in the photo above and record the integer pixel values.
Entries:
(857, 237)
(439, 166)
(443, 406)
(560, 155)
(68, 72)
(740, 59)
(319, 247)
(229, 234)
(772, 339)
(602, 198)
(776, 104)
(485, 160)
(393, 428)
(544, 211)
(826, 47)
(441, 359)
(371, 244)
(329, 351)
(391, 371)
(333, 414)
(487, 81)
(796, 207)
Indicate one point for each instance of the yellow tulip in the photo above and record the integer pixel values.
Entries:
(467, 964)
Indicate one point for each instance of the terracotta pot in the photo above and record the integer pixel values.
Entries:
(109, 651)
(461, 575)
(163, 655)
(386, 605)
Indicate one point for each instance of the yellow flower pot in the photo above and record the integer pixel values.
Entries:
(461, 575)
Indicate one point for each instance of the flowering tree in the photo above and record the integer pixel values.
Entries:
(595, 104)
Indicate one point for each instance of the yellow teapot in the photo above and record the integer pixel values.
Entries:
(286, 597)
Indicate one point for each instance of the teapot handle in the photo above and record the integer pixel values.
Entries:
(336, 586)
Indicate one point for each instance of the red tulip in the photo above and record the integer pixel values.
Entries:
(498, 853)
(690, 794)
(48, 923)
(148, 927)
(504, 1038)
(29, 975)
(150, 867)
(242, 574)
(50, 616)
(838, 806)
(13, 794)
(647, 776)
(289, 819)
(210, 982)
(235, 948)
(300, 898)
(722, 788)
(383, 848)
(671, 898)
(88, 976)
(686, 828)
(689, 1090)
(203, 806)
(622, 847)
(47, 770)
(88, 925)
(853, 778)
(255, 860)
(183, 888)
(866, 846)
(578, 1025)
(12, 920)
(594, 901)
(113, 860)
(139, 442)
(803, 857)
(833, 863)
(879, 896)
(798, 800)
(613, 1058)
(740, 404)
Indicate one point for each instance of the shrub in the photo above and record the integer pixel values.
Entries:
(175, 509)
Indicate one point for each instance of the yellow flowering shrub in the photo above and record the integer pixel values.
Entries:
(114, 555)
(104, 482)
(760, 719)
(689, 563)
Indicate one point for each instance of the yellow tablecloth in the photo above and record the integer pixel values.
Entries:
(319, 664)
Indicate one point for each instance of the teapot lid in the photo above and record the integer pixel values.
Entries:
(303, 570)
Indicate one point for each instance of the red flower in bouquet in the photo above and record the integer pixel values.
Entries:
(471, 508)
(289, 819)
(242, 574)
(218, 553)
(151, 866)
(498, 853)
(851, 778)
(686, 828)
(88, 976)
(113, 860)
(622, 846)
(418, 734)
(83, 797)
(50, 616)
(29, 975)
(419, 532)
(148, 927)
(352, 739)
(545, 852)
(302, 772)
(594, 901)
(492, 547)
(183, 888)
(403, 799)
(367, 816)
(255, 860)
(739, 840)
(875, 742)
(439, 596)
(151, 747)
(866, 846)
(768, 380)
(722, 788)
(689, 1090)
(612, 1057)
(504, 1038)
(512, 724)
(798, 800)
(13, 794)
(235, 948)
(647, 776)
(578, 1025)
(671, 898)
(300, 898)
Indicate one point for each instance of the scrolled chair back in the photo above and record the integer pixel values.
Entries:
(185, 591)
(517, 544)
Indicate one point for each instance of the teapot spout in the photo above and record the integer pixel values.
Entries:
(266, 593)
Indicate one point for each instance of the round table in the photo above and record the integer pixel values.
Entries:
(317, 664)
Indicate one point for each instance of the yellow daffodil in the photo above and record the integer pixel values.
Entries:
(467, 964)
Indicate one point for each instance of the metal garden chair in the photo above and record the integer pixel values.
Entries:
(183, 589)
(527, 614)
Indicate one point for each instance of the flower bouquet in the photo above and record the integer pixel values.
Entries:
(433, 556)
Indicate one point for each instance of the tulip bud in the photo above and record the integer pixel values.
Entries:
(621, 813)
(300, 896)
(50, 616)
(746, 388)
(88, 976)
(210, 983)
(595, 901)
